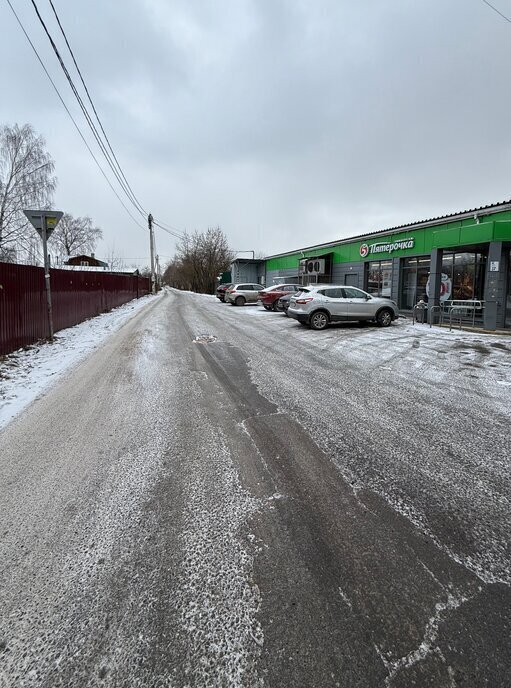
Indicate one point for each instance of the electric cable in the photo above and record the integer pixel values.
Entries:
(497, 11)
(94, 107)
(165, 225)
(169, 231)
(118, 171)
(71, 116)
(86, 114)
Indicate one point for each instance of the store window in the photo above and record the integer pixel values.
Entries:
(414, 277)
(379, 278)
(466, 272)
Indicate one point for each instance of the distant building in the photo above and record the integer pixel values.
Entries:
(86, 261)
(248, 270)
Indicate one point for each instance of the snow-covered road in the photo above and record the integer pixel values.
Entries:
(263, 505)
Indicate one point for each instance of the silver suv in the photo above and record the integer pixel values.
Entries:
(240, 294)
(318, 306)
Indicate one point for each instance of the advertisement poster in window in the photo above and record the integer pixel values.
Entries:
(445, 287)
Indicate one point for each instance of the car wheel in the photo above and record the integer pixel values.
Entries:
(274, 307)
(240, 301)
(266, 307)
(384, 318)
(318, 320)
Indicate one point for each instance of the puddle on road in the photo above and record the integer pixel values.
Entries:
(204, 339)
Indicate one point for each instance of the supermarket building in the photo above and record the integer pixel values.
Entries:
(465, 256)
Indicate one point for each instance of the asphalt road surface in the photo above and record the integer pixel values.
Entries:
(263, 506)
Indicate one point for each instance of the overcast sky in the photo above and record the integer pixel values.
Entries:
(285, 122)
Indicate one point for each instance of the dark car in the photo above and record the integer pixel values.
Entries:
(221, 289)
(283, 303)
(269, 296)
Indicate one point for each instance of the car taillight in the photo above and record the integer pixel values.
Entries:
(304, 300)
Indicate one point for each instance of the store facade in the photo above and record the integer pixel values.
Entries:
(461, 257)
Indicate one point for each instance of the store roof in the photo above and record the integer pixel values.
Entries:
(442, 219)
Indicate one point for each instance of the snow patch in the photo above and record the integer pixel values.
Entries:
(28, 373)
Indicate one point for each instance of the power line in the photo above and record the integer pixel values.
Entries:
(175, 234)
(497, 11)
(115, 168)
(93, 107)
(165, 225)
(71, 116)
(126, 186)
(118, 172)
(86, 114)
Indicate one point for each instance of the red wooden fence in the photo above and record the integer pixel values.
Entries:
(76, 296)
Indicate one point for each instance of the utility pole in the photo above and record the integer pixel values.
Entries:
(158, 276)
(151, 244)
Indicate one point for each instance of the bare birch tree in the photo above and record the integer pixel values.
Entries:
(75, 235)
(26, 181)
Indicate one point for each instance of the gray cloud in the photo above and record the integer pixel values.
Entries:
(285, 122)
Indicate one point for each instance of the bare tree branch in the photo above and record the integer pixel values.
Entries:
(26, 181)
(114, 259)
(75, 235)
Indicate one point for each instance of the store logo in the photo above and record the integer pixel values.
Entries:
(386, 248)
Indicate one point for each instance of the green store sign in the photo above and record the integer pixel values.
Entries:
(385, 247)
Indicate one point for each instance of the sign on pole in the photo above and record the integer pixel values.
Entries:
(44, 222)
(36, 219)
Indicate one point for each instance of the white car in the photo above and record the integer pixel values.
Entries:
(320, 306)
(240, 294)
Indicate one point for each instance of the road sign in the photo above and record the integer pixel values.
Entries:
(36, 218)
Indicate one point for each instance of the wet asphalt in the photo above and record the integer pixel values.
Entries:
(263, 506)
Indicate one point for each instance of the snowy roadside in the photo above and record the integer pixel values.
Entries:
(27, 373)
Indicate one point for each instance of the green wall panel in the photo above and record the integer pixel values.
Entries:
(283, 262)
(446, 237)
(502, 231)
(475, 234)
